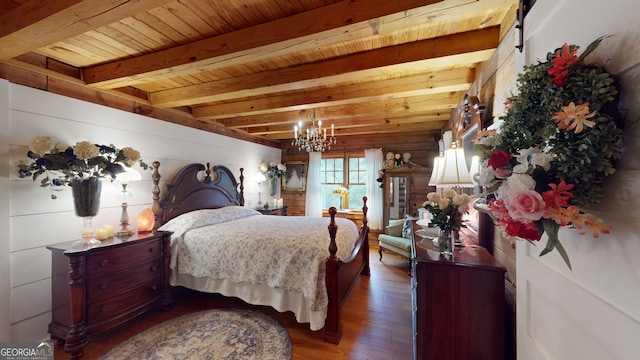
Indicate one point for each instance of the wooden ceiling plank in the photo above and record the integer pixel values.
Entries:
(244, 44)
(293, 119)
(182, 20)
(368, 131)
(213, 18)
(354, 123)
(324, 73)
(412, 106)
(441, 82)
(38, 23)
(210, 112)
(362, 131)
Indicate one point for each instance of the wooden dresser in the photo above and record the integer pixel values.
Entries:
(458, 305)
(98, 288)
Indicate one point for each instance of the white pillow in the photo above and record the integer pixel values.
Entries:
(198, 218)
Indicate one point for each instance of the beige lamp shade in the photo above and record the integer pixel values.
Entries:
(455, 172)
(474, 168)
(436, 173)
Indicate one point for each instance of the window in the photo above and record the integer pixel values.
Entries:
(348, 172)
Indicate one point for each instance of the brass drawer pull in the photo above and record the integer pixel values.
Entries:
(103, 285)
(104, 262)
(154, 268)
(151, 249)
(104, 308)
(154, 287)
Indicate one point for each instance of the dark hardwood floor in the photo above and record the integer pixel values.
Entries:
(376, 319)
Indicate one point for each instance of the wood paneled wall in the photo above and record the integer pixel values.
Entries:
(422, 146)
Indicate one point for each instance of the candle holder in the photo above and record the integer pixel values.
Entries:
(126, 177)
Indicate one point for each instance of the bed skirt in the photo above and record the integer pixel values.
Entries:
(256, 294)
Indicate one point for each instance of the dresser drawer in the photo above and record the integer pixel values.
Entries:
(107, 309)
(108, 262)
(119, 282)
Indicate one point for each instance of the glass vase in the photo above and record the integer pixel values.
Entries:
(86, 203)
(273, 187)
(445, 242)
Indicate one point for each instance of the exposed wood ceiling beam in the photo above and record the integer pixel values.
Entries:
(433, 83)
(37, 23)
(471, 47)
(423, 127)
(367, 121)
(252, 69)
(287, 35)
(359, 114)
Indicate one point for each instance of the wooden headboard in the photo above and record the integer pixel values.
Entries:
(216, 188)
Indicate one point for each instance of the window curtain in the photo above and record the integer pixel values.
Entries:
(373, 162)
(313, 205)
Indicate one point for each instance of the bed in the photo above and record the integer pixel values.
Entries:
(213, 234)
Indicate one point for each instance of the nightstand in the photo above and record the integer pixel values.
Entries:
(277, 212)
(98, 288)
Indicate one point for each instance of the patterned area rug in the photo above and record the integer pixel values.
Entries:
(240, 334)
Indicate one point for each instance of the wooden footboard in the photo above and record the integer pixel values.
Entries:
(342, 274)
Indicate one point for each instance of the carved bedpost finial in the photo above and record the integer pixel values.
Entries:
(207, 174)
(364, 211)
(364, 229)
(156, 208)
(333, 228)
(241, 187)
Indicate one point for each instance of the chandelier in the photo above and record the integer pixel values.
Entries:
(316, 137)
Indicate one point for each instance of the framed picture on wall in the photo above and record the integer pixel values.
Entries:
(295, 177)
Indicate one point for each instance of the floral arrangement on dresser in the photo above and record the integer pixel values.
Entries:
(447, 209)
(272, 170)
(62, 164)
(341, 191)
(557, 143)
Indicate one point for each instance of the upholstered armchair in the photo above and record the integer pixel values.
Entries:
(397, 238)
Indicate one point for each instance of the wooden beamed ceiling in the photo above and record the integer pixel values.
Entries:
(254, 68)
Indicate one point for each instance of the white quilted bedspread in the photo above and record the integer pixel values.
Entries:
(286, 252)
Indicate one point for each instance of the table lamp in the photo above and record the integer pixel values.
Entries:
(125, 178)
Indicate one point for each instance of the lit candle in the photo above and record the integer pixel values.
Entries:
(331, 130)
(101, 234)
(325, 133)
(280, 203)
(109, 229)
(295, 131)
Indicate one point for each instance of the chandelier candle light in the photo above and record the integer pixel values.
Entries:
(316, 137)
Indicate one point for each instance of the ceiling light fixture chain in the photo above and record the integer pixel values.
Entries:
(316, 139)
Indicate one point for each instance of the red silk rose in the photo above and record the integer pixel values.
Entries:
(499, 159)
(527, 231)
